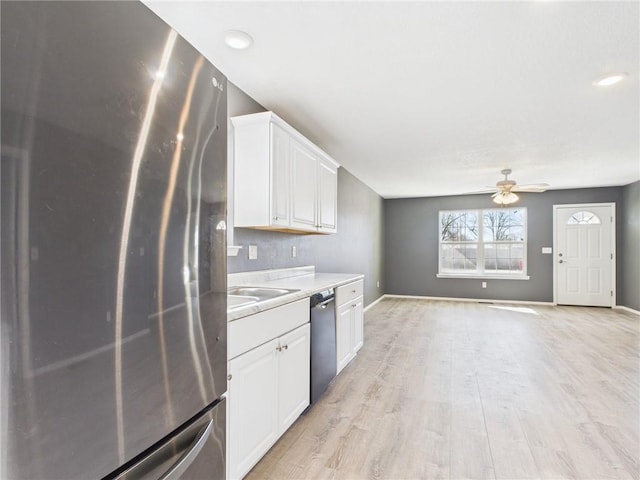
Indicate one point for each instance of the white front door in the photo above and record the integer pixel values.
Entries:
(584, 254)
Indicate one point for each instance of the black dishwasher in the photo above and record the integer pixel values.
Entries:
(323, 342)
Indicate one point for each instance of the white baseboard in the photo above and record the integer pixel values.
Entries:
(627, 309)
(373, 303)
(475, 300)
(483, 300)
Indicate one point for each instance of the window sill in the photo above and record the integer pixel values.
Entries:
(482, 277)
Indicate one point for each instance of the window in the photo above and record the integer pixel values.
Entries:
(483, 242)
(583, 218)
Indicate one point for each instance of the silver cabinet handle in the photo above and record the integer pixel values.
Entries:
(279, 348)
(285, 347)
(178, 468)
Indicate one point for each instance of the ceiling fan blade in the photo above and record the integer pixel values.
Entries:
(534, 187)
(491, 190)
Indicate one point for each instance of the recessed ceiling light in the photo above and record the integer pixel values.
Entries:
(610, 79)
(237, 39)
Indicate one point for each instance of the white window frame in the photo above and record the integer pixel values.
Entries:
(480, 248)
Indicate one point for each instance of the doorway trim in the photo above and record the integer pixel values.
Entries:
(614, 253)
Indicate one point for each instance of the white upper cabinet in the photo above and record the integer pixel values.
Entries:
(282, 181)
(304, 187)
(327, 197)
(280, 176)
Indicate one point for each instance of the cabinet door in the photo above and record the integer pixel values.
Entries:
(294, 376)
(280, 152)
(358, 324)
(303, 187)
(327, 198)
(343, 336)
(253, 408)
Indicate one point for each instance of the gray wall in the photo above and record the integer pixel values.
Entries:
(411, 245)
(630, 283)
(395, 241)
(356, 248)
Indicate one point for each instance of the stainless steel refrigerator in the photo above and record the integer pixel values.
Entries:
(113, 258)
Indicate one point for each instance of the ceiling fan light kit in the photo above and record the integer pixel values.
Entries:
(505, 189)
(505, 198)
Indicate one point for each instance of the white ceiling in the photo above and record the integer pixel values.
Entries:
(435, 98)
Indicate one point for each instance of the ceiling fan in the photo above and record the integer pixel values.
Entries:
(505, 189)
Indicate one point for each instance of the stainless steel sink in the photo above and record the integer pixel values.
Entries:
(237, 301)
(261, 292)
(241, 296)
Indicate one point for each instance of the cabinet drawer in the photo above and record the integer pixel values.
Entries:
(249, 332)
(349, 292)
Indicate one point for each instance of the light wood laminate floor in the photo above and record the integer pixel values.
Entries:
(453, 390)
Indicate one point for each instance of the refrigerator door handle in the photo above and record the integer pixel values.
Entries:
(178, 468)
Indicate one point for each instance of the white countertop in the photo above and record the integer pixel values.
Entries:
(304, 279)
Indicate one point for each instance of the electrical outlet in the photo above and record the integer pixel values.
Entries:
(253, 252)
(484, 284)
(294, 252)
(378, 284)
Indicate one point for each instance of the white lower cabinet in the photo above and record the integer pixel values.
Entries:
(343, 336)
(253, 407)
(357, 309)
(349, 330)
(293, 376)
(349, 322)
(268, 389)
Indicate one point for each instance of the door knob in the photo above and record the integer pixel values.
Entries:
(561, 261)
